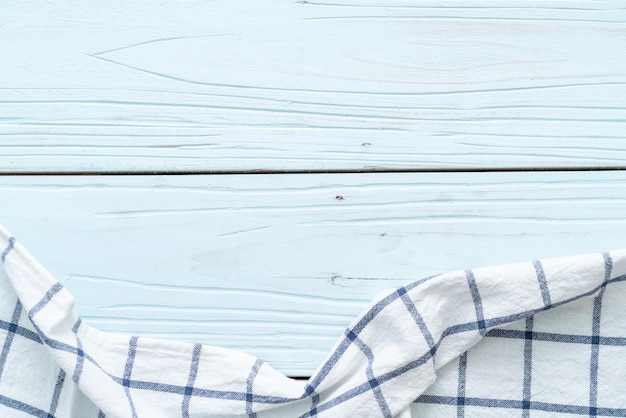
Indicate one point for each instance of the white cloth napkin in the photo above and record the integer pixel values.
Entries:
(556, 338)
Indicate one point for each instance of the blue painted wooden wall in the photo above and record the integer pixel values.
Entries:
(250, 174)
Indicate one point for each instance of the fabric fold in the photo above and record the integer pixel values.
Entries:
(381, 364)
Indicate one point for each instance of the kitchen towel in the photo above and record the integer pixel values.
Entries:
(537, 339)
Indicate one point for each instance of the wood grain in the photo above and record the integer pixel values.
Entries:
(278, 265)
(195, 86)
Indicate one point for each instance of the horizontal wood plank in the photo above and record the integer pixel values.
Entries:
(278, 265)
(198, 86)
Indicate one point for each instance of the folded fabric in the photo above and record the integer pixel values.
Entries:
(556, 345)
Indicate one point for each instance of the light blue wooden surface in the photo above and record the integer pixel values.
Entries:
(278, 264)
(305, 85)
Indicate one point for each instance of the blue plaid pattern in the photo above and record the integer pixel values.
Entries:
(413, 352)
(537, 377)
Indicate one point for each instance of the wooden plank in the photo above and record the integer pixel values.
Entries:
(311, 85)
(278, 265)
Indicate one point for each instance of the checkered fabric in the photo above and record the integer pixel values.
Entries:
(554, 341)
